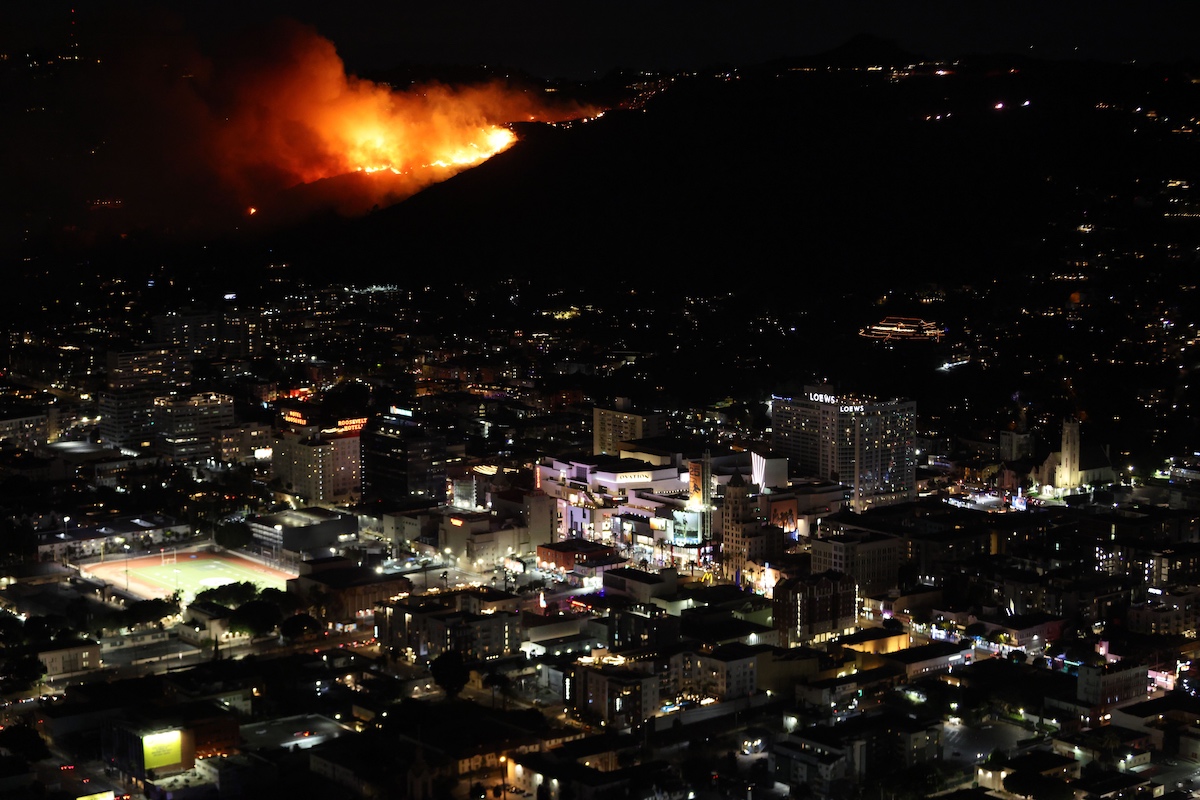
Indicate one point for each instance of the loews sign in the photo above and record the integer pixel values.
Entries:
(829, 399)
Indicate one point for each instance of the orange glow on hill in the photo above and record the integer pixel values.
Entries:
(299, 118)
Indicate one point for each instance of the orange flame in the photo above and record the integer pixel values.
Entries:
(300, 118)
(268, 126)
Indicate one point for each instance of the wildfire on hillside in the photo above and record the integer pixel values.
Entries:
(273, 129)
(301, 118)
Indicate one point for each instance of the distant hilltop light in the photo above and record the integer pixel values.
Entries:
(903, 329)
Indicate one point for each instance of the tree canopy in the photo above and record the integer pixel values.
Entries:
(450, 672)
(24, 741)
(288, 602)
(1037, 786)
(255, 618)
(21, 672)
(145, 612)
(233, 535)
(230, 594)
(299, 625)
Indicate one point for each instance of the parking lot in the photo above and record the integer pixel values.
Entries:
(963, 745)
(300, 732)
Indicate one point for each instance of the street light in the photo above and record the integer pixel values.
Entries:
(504, 777)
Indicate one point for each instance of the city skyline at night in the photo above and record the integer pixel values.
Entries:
(661, 401)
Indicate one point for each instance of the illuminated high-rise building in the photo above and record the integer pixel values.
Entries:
(148, 366)
(864, 443)
(320, 465)
(816, 608)
(192, 331)
(401, 461)
(611, 426)
(136, 378)
(739, 521)
(189, 428)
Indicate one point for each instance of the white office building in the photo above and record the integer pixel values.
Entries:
(864, 443)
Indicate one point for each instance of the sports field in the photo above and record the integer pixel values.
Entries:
(159, 575)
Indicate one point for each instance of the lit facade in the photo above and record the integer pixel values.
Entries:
(191, 331)
(815, 608)
(400, 461)
(1112, 684)
(611, 426)
(724, 673)
(126, 418)
(149, 366)
(872, 559)
(739, 523)
(24, 427)
(481, 624)
(189, 428)
(618, 696)
(317, 467)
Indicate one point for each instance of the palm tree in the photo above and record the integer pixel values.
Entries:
(496, 680)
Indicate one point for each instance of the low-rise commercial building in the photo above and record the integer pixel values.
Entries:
(348, 593)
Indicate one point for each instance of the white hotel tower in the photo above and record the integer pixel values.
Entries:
(862, 442)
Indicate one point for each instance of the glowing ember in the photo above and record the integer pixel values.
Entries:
(489, 143)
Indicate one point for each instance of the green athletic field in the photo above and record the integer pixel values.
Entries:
(191, 574)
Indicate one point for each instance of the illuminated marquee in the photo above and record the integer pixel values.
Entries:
(293, 417)
(349, 425)
(633, 477)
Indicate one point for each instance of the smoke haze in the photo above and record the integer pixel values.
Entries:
(171, 138)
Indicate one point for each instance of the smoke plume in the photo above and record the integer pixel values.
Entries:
(274, 128)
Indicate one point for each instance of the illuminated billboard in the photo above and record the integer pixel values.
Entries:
(784, 513)
(696, 495)
(162, 749)
(109, 795)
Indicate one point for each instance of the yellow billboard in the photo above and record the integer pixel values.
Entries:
(162, 749)
(109, 795)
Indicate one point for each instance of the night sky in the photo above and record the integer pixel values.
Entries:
(579, 39)
(143, 125)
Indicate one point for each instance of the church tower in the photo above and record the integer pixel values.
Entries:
(1067, 474)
